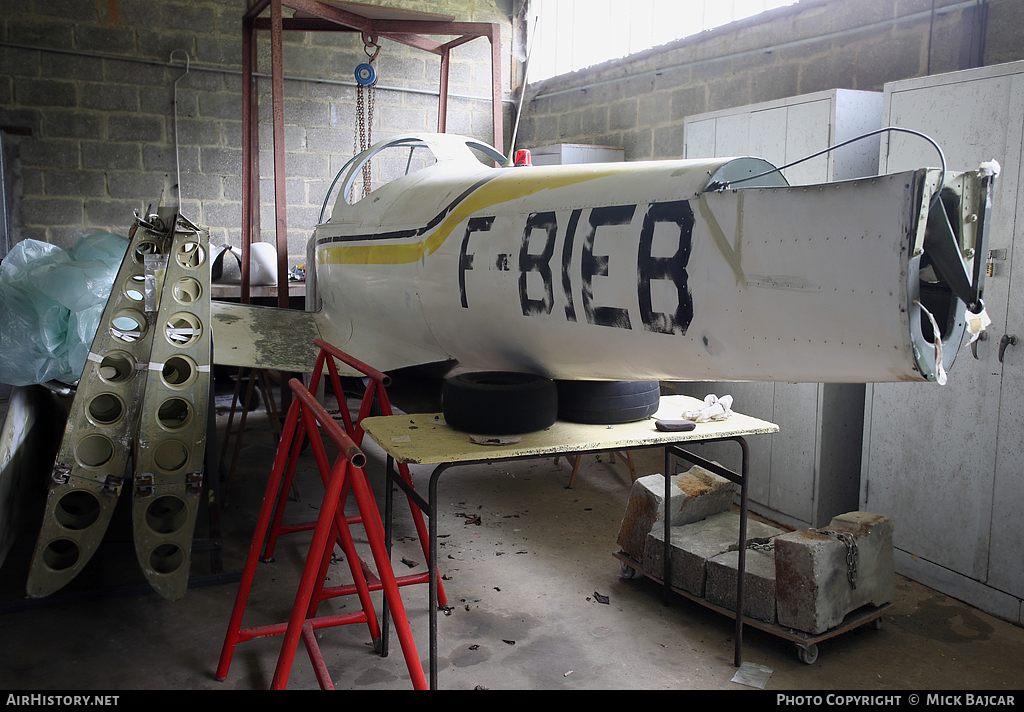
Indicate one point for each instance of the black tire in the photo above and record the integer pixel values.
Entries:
(607, 402)
(499, 402)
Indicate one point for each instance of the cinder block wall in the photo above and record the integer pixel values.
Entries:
(639, 103)
(86, 91)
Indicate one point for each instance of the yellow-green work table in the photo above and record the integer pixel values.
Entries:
(425, 439)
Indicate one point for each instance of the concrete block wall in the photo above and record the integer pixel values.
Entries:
(639, 102)
(86, 91)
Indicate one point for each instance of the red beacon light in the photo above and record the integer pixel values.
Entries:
(523, 157)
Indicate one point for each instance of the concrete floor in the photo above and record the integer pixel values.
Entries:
(521, 583)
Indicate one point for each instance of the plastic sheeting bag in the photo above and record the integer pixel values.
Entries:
(51, 302)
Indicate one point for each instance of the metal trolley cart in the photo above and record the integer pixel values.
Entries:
(806, 643)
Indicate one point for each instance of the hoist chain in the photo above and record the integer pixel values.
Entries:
(851, 554)
(365, 97)
(365, 100)
(845, 537)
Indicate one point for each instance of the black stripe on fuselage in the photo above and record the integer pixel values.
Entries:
(401, 234)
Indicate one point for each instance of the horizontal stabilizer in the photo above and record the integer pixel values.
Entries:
(282, 340)
(264, 337)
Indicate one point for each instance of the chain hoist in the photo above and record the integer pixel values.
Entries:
(366, 89)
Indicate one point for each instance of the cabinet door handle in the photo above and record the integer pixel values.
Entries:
(983, 336)
(1007, 340)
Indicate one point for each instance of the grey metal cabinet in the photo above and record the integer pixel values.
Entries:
(785, 130)
(946, 463)
(810, 470)
(561, 154)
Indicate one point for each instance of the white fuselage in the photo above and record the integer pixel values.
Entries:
(630, 271)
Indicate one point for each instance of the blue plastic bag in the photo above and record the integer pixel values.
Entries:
(51, 302)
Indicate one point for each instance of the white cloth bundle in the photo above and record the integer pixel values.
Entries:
(715, 408)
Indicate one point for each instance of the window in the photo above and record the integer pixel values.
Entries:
(573, 34)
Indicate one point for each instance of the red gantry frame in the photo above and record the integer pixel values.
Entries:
(314, 16)
(306, 417)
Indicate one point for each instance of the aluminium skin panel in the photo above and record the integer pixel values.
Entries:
(806, 475)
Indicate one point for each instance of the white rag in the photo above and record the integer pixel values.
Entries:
(715, 408)
(940, 371)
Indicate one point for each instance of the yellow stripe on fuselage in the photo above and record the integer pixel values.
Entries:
(512, 185)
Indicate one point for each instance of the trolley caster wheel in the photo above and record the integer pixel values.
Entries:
(626, 571)
(807, 654)
(877, 623)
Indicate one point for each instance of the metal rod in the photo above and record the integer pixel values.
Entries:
(232, 638)
(389, 516)
(177, 159)
(351, 451)
(5, 219)
(741, 480)
(666, 559)
(741, 563)
(442, 104)
(280, 197)
(496, 117)
(299, 611)
(353, 362)
(432, 569)
(248, 154)
(522, 96)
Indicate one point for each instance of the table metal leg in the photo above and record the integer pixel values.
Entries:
(742, 558)
(666, 557)
(429, 507)
(741, 480)
(432, 570)
(388, 523)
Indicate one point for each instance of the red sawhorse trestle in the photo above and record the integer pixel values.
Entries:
(376, 389)
(305, 418)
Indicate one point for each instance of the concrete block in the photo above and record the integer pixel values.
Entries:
(704, 494)
(643, 510)
(51, 211)
(44, 92)
(623, 114)
(103, 39)
(131, 184)
(111, 156)
(694, 544)
(594, 119)
(110, 97)
(668, 140)
(108, 212)
(223, 161)
(73, 124)
(695, 494)
(813, 588)
(758, 583)
(876, 568)
(78, 184)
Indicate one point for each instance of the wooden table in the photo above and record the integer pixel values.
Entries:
(425, 439)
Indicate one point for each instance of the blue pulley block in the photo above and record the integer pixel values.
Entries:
(366, 75)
